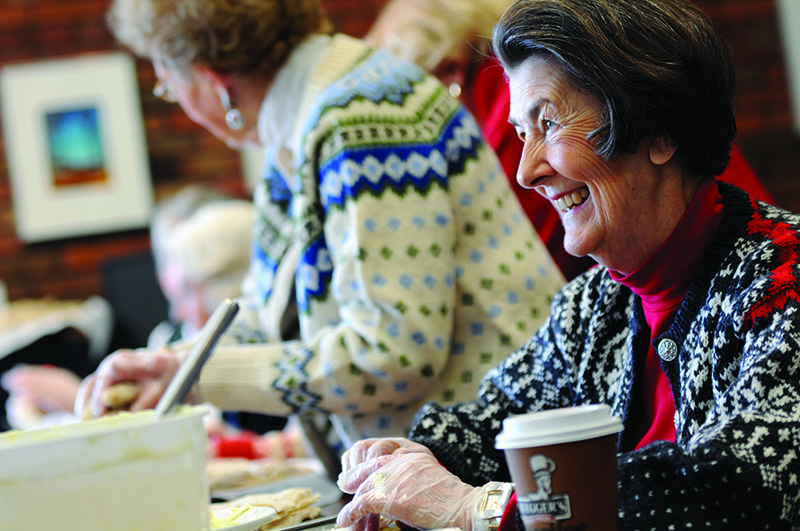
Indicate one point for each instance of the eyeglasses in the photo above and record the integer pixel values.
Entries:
(164, 91)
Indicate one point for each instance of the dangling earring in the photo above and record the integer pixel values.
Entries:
(233, 116)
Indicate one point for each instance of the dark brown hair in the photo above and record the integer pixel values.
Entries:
(659, 66)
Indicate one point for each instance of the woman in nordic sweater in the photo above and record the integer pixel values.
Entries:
(392, 264)
(688, 330)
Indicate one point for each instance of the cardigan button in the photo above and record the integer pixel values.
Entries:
(667, 350)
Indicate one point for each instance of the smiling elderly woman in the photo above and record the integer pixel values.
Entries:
(689, 328)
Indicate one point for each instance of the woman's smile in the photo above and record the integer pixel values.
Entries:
(566, 202)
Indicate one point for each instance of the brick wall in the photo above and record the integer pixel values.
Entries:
(182, 152)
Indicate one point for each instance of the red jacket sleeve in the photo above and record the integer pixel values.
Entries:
(509, 520)
(742, 175)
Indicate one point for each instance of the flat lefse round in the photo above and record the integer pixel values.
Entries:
(285, 502)
(119, 396)
(293, 518)
(233, 472)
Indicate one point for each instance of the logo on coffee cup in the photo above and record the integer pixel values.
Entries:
(543, 505)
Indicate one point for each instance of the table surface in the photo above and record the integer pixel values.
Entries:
(24, 321)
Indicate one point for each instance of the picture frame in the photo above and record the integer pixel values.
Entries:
(75, 146)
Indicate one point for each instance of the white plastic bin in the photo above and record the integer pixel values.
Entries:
(123, 472)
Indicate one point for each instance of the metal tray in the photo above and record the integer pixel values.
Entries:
(323, 523)
(318, 483)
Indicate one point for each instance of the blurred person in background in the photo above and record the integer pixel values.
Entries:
(451, 39)
(200, 241)
(392, 262)
(200, 246)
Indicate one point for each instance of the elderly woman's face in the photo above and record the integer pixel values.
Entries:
(604, 205)
(186, 299)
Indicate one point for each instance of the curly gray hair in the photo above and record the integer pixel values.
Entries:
(242, 36)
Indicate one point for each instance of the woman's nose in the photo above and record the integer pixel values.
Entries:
(533, 165)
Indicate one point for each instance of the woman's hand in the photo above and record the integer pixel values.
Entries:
(50, 389)
(367, 449)
(412, 488)
(152, 371)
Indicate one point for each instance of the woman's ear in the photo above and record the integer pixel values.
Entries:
(452, 69)
(220, 83)
(661, 150)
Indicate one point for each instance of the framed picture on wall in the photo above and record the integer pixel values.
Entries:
(75, 146)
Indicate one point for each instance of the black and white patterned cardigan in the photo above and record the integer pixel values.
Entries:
(736, 382)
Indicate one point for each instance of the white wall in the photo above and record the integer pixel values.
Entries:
(789, 15)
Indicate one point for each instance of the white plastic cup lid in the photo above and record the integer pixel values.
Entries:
(556, 426)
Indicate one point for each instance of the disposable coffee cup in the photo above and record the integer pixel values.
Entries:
(564, 466)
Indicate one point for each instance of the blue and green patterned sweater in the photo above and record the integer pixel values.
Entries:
(414, 269)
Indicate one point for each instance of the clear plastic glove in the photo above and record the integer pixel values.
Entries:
(412, 488)
(367, 449)
(151, 370)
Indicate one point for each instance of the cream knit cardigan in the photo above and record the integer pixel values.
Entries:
(414, 269)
